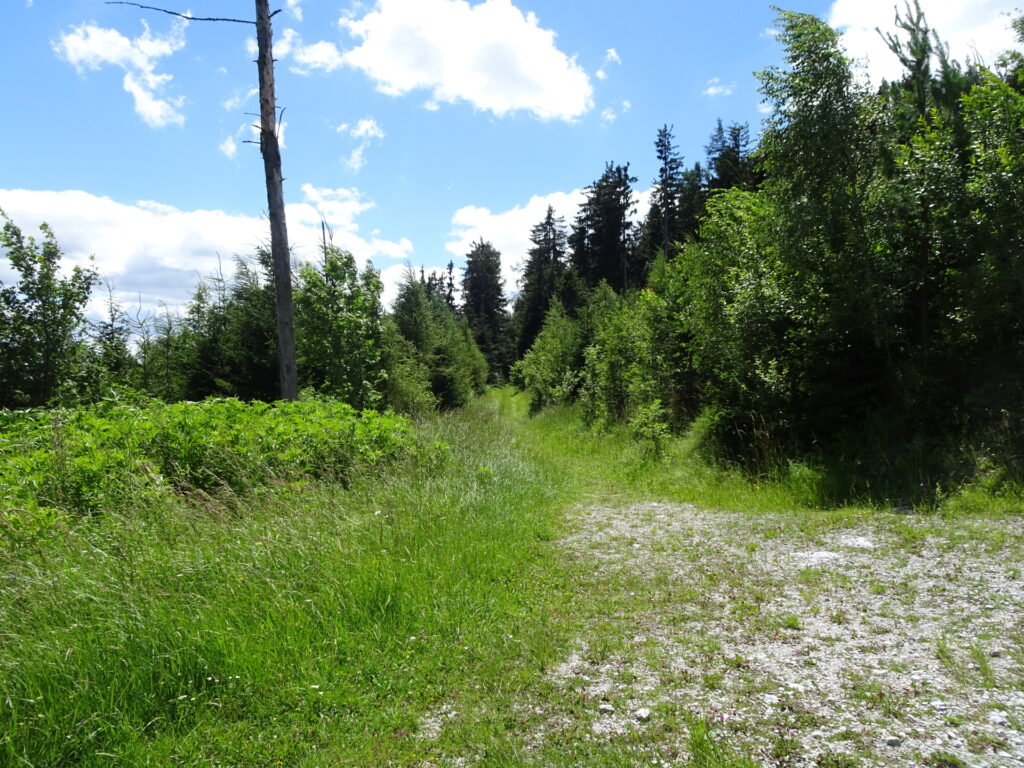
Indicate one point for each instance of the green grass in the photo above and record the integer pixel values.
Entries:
(314, 623)
(303, 624)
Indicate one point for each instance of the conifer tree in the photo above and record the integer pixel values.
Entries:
(662, 228)
(483, 306)
(542, 275)
(602, 239)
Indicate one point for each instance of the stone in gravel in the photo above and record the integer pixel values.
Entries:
(997, 717)
(771, 699)
(938, 704)
(995, 653)
(606, 709)
(894, 741)
(642, 715)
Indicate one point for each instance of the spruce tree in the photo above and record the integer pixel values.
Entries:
(542, 276)
(602, 239)
(483, 306)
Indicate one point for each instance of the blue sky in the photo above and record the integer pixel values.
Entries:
(414, 127)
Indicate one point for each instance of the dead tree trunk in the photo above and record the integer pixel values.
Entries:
(279, 250)
(271, 152)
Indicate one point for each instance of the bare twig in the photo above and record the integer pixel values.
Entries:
(180, 15)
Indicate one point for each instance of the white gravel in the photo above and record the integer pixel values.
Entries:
(888, 638)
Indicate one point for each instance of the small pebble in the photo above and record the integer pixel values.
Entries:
(642, 715)
(893, 741)
(995, 653)
(606, 709)
(997, 718)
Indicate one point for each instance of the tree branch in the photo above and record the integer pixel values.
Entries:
(180, 15)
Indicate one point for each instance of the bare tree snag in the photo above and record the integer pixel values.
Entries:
(271, 151)
(279, 250)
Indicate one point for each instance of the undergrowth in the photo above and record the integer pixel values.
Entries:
(120, 455)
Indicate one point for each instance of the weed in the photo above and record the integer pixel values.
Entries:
(980, 742)
(944, 760)
(836, 760)
(984, 667)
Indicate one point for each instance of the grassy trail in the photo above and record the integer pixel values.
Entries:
(542, 597)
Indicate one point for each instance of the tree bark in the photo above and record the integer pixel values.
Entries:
(279, 250)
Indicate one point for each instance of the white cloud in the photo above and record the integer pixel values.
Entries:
(356, 158)
(321, 56)
(508, 231)
(88, 47)
(764, 107)
(238, 100)
(626, 106)
(770, 32)
(295, 6)
(490, 55)
(971, 27)
(229, 147)
(368, 128)
(158, 252)
(611, 56)
(716, 88)
(608, 115)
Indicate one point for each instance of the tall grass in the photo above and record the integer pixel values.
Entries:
(299, 621)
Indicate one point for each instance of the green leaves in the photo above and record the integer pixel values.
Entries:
(113, 455)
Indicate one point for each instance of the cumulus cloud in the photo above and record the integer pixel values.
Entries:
(972, 28)
(88, 47)
(490, 55)
(155, 253)
(322, 56)
(717, 88)
(295, 7)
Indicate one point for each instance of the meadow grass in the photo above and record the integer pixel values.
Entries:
(313, 624)
(299, 621)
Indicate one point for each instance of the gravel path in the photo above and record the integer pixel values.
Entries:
(881, 640)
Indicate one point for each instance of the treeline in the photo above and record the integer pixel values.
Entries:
(425, 354)
(850, 290)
